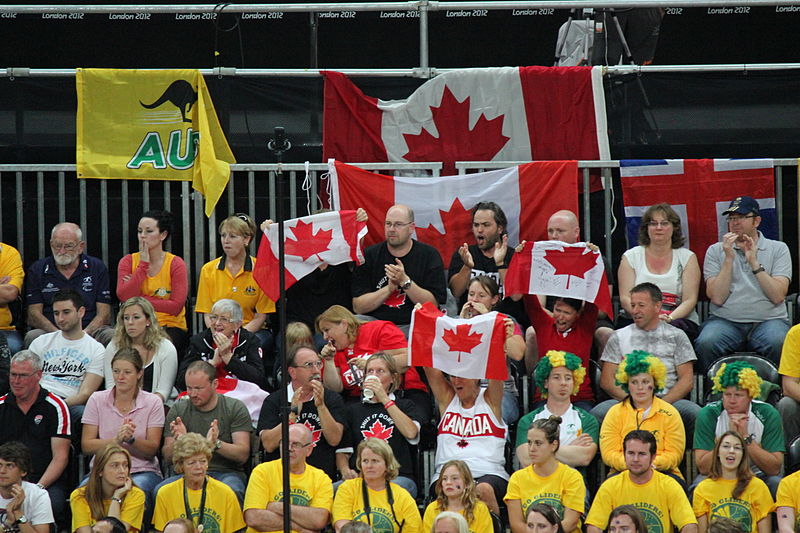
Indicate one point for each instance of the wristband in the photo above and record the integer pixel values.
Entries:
(388, 404)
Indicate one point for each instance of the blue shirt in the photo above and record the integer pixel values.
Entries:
(90, 279)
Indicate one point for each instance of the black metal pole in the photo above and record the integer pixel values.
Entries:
(278, 145)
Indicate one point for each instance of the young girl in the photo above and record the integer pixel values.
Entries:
(455, 491)
(545, 480)
(109, 492)
(731, 490)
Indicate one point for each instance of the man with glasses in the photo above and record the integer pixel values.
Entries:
(68, 267)
(398, 273)
(319, 409)
(31, 415)
(747, 278)
(222, 419)
(311, 488)
(230, 348)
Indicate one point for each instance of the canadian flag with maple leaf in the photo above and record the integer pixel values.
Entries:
(560, 269)
(468, 348)
(528, 194)
(479, 114)
(333, 238)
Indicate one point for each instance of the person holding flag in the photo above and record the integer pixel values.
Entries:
(472, 428)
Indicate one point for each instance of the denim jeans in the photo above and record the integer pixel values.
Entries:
(719, 337)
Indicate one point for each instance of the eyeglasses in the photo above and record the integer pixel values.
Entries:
(298, 446)
(14, 375)
(311, 365)
(219, 318)
(659, 223)
(396, 225)
(68, 247)
(739, 218)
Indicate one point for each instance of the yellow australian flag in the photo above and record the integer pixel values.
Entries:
(151, 124)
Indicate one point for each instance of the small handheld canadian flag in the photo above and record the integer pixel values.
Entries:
(468, 348)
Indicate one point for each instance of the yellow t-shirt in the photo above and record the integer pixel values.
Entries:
(216, 284)
(349, 505)
(160, 286)
(789, 495)
(481, 523)
(131, 512)
(661, 501)
(222, 511)
(11, 266)
(562, 489)
(712, 497)
(790, 354)
(312, 488)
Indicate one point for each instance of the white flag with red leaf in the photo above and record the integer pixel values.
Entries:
(333, 238)
(468, 348)
(560, 269)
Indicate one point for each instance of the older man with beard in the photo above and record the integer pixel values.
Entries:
(68, 267)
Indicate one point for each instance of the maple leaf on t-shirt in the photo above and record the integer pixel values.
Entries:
(315, 433)
(457, 229)
(307, 243)
(456, 141)
(396, 299)
(571, 261)
(461, 340)
(378, 430)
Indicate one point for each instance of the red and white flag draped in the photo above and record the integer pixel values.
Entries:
(479, 114)
(331, 238)
(468, 348)
(250, 394)
(560, 269)
(528, 194)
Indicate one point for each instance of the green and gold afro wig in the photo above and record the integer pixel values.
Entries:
(554, 359)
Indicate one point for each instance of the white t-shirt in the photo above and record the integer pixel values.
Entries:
(65, 362)
(36, 507)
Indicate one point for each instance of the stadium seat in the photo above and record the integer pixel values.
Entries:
(764, 367)
(793, 455)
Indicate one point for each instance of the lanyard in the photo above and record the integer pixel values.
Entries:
(389, 497)
(188, 509)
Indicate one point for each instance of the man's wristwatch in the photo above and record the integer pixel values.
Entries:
(22, 519)
(748, 439)
(759, 269)
(218, 444)
(405, 285)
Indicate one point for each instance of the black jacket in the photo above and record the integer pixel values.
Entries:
(246, 363)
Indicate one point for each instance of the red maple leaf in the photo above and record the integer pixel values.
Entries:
(396, 299)
(462, 443)
(315, 433)
(457, 230)
(571, 261)
(307, 243)
(461, 340)
(456, 142)
(378, 431)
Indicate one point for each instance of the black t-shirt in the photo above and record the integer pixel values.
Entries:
(486, 266)
(422, 264)
(323, 455)
(313, 294)
(366, 420)
(48, 417)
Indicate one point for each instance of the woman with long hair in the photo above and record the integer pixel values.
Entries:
(641, 375)
(731, 490)
(626, 519)
(383, 415)
(138, 328)
(128, 417)
(372, 497)
(195, 495)
(231, 276)
(350, 341)
(542, 518)
(662, 260)
(455, 491)
(157, 275)
(544, 477)
(109, 492)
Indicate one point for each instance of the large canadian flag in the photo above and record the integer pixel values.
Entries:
(528, 194)
(467, 348)
(560, 269)
(331, 238)
(479, 114)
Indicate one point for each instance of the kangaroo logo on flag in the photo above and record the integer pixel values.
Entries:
(181, 94)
